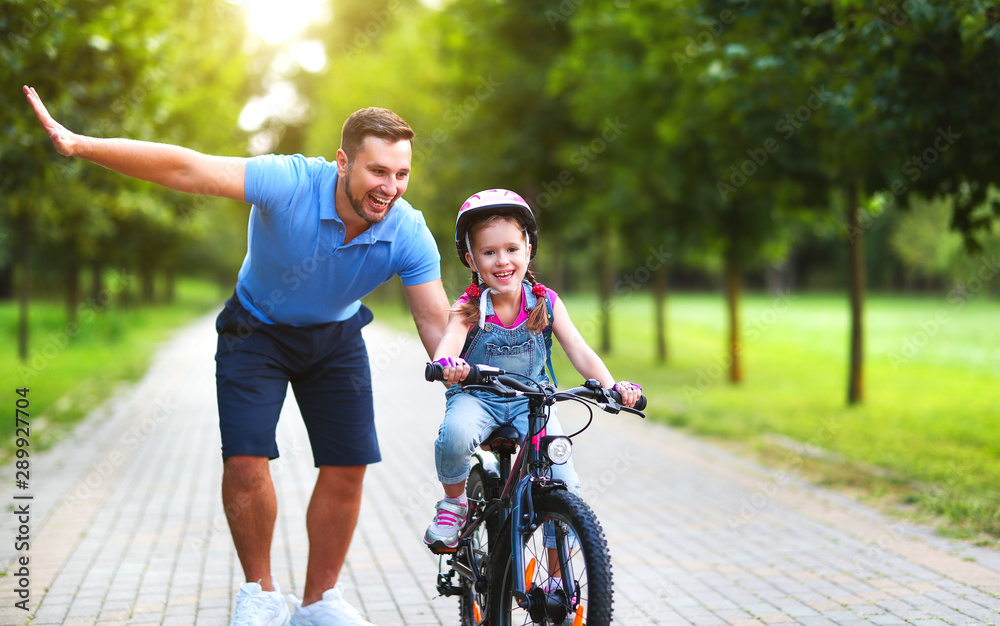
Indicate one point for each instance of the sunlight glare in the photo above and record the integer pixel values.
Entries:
(282, 25)
(280, 21)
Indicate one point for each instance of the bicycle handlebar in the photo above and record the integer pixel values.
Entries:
(487, 375)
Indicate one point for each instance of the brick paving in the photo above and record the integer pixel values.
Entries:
(127, 524)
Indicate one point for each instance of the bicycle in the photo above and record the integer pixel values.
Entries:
(531, 552)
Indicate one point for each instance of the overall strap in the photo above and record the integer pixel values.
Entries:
(547, 333)
(469, 338)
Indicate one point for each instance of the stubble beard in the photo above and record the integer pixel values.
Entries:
(358, 203)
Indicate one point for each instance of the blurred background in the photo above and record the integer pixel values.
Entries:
(777, 216)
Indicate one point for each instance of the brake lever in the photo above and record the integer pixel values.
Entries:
(614, 407)
(610, 405)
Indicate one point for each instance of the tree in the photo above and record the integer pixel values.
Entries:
(630, 170)
(705, 92)
(905, 74)
(125, 68)
(936, 75)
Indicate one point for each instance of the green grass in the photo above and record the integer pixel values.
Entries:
(926, 436)
(71, 370)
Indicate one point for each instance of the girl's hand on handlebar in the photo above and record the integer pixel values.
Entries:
(630, 392)
(455, 369)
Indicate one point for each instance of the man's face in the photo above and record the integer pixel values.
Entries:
(378, 176)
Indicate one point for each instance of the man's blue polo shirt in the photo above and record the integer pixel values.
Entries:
(297, 270)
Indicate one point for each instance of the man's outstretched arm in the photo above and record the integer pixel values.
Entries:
(171, 166)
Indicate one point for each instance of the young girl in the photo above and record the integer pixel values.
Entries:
(503, 320)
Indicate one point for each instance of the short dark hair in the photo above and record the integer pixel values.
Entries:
(372, 122)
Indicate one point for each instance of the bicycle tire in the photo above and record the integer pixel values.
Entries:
(473, 605)
(589, 558)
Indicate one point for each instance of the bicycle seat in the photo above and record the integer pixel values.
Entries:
(503, 439)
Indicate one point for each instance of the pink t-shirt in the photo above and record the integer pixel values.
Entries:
(523, 315)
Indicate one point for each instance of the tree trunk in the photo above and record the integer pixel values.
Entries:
(856, 280)
(604, 289)
(127, 298)
(96, 281)
(733, 287)
(7, 281)
(23, 286)
(660, 279)
(171, 286)
(148, 284)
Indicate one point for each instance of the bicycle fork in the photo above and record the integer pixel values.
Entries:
(539, 604)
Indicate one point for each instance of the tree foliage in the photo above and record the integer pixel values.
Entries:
(694, 135)
(170, 72)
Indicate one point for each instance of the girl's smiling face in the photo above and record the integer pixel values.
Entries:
(500, 251)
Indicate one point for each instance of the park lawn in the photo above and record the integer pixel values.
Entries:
(927, 435)
(71, 371)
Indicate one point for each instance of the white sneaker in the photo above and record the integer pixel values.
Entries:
(446, 528)
(332, 610)
(256, 607)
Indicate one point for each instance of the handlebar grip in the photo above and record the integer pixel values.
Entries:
(435, 371)
(475, 376)
(640, 404)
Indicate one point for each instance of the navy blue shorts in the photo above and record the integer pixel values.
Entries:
(327, 366)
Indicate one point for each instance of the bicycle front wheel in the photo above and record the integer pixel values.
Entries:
(567, 568)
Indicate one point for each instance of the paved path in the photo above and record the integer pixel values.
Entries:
(126, 524)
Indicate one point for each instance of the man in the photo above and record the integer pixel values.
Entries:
(321, 236)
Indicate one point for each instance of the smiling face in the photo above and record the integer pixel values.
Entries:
(375, 179)
(501, 254)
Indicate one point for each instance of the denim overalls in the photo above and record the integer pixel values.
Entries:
(471, 415)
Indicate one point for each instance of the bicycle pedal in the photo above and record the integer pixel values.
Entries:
(439, 548)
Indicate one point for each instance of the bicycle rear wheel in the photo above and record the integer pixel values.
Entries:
(573, 590)
(473, 602)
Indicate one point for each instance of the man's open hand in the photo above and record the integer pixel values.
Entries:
(62, 139)
(171, 166)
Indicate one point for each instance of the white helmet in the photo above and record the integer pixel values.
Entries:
(488, 202)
